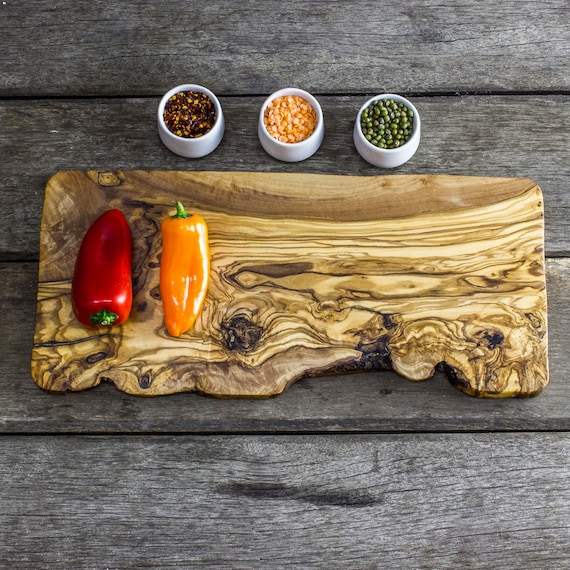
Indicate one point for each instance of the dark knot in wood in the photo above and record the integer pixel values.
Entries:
(493, 339)
(240, 334)
(375, 354)
(145, 381)
(95, 357)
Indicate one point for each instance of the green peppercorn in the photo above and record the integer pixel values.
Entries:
(387, 123)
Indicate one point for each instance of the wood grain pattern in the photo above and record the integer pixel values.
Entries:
(237, 48)
(311, 274)
(470, 501)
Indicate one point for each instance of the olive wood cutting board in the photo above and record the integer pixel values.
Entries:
(311, 275)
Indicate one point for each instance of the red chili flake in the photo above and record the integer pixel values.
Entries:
(189, 114)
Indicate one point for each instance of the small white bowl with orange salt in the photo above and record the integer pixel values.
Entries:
(290, 126)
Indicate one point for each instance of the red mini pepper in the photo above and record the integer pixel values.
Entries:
(101, 290)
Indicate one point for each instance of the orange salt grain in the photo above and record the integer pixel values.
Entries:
(290, 119)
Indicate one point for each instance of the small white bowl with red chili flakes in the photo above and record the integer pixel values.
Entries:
(290, 126)
(190, 120)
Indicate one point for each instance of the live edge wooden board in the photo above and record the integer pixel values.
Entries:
(311, 275)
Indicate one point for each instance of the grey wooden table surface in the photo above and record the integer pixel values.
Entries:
(362, 471)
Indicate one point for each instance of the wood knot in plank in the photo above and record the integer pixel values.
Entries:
(145, 380)
(95, 357)
(375, 355)
(240, 334)
(493, 339)
(108, 178)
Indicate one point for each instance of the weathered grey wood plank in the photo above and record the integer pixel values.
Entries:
(384, 501)
(484, 136)
(358, 403)
(94, 48)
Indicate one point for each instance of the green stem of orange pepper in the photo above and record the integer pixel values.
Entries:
(184, 269)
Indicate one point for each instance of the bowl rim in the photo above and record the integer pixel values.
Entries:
(415, 128)
(291, 91)
(189, 87)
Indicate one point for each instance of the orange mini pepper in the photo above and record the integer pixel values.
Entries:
(184, 269)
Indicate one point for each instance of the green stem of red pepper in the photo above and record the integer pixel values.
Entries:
(103, 318)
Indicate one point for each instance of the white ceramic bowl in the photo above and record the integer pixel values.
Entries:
(191, 147)
(291, 152)
(387, 157)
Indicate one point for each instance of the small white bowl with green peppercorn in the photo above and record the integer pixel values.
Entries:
(190, 120)
(387, 130)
